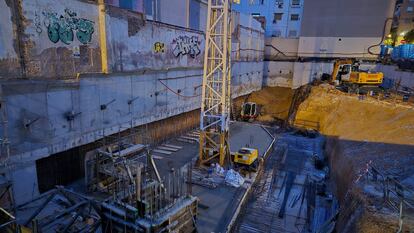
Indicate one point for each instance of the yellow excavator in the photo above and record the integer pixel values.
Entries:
(346, 73)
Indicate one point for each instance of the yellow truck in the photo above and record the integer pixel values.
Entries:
(347, 73)
(247, 157)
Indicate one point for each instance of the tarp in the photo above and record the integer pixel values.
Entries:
(233, 178)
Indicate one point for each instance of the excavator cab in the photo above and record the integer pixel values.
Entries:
(249, 111)
(342, 71)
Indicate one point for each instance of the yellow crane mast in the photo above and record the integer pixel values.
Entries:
(216, 96)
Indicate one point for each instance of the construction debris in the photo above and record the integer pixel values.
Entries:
(59, 210)
(233, 178)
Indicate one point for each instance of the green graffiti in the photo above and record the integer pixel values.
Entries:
(62, 27)
(85, 30)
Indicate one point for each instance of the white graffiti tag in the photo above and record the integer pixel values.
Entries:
(185, 45)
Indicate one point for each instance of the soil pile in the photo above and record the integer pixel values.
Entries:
(349, 118)
(273, 102)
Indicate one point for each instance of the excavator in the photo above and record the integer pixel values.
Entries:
(347, 74)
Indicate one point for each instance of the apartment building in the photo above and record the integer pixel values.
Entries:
(280, 18)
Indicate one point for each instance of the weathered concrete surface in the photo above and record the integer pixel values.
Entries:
(281, 48)
(247, 38)
(293, 74)
(278, 74)
(9, 56)
(136, 44)
(60, 39)
(38, 111)
(306, 72)
(47, 116)
(246, 78)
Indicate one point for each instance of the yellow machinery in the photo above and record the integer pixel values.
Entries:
(347, 73)
(247, 157)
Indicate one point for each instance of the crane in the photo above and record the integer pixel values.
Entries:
(216, 96)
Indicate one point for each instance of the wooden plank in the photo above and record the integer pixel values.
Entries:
(162, 152)
(173, 146)
(167, 148)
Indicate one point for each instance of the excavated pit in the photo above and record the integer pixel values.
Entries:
(363, 135)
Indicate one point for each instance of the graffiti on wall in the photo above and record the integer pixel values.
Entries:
(185, 45)
(159, 47)
(65, 27)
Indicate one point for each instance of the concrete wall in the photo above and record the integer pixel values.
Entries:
(331, 47)
(51, 40)
(246, 78)
(158, 66)
(306, 72)
(392, 72)
(294, 74)
(278, 74)
(281, 48)
(60, 38)
(9, 53)
(336, 28)
(248, 38)
(38, 110)
(135, 44)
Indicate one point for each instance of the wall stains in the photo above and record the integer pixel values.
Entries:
(159, 47)
(185, 45)
(38, 24)
(62, 27)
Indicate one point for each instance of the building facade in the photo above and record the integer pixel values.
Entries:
(280, 18)
(337, 28)
(403, 20)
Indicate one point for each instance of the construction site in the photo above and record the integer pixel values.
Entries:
(250, 116)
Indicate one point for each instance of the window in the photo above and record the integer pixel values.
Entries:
(279, 4)
(276, 33)
(293, 33)
(295, 2)
(294, 17)
(277, 16)
(256, 2)
(410, 9)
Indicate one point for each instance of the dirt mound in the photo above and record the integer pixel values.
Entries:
(274, 102)
(349, 118)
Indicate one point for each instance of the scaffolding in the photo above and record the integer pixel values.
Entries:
(216, 96)
(137, 199)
